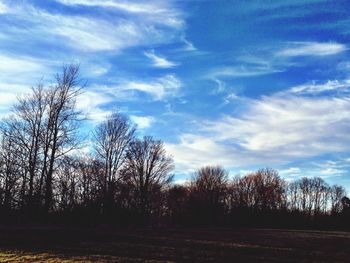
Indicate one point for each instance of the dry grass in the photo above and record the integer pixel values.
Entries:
(172, 245)
(21, 256)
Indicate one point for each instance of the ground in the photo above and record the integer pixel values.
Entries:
(171, 245)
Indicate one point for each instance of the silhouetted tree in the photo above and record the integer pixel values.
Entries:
(262, 190)
(208, 193)
(177, 203)
(337, 194)
(10, 170)
(61, 125)
(111, 140)
(147, 170)
(43, 177)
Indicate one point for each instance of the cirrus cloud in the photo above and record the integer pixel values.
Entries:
(273, 130)
(311, 49)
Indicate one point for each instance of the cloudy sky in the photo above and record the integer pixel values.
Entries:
(237, 83)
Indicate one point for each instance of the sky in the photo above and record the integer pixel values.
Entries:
(242, 84)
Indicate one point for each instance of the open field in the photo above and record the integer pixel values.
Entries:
(172, 245)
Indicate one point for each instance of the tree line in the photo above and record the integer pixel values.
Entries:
(123, 179)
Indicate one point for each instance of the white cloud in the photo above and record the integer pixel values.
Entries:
(15, 64)
(312, 49)
(291, 170)
(327, 169)
(322, 170)
(181, 181)
(158, 88)
(91, 104)
(161, 12)
(329, 172)
(275, 59)
(17, 75)
(273, 130)
(3, 8)
(294, 126)
(291, 173)
(242, 71)
(94, 102)
(231, 97)
(159, 62)
(142, 122)
(91, 34)
(313, 88)
(94, 69)
(83, 33)
(7, 99)
(98, 115)
(194, 151)
(88, 33)
(221, 85)
(188, 45)
(129, 6)
(9, 93)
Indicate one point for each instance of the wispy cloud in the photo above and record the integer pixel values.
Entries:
(142, 122)
(326, 169)
(188, 45)
(156, 11)
(273, 130)
(3, 8)
(93, 33)
(9, 94)
(273, 59)
(311, 49)
(194, 151)
(12, 64)
(17, 75)
(242, 71)
(81, 37)
(282, 124)
(91, 102)
(127, 6)
(158, 61)
(313, 88)
(158, 88)
(291, 171)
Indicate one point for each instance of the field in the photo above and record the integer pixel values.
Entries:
(172, 245)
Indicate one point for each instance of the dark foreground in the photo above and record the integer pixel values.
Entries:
(172, 245)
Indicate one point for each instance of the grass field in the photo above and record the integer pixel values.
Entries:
(172, 245)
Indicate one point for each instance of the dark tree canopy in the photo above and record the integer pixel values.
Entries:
(147, 170)
(123, 179)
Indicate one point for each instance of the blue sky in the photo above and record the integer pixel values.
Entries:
(244, 84)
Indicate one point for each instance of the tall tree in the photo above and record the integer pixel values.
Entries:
(62, 124)
(111, 140)
(208, 190)
(10, 171)
(147, 169)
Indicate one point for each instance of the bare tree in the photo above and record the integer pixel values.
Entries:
(208, 191)
(10, 171)
(67, 185)
(61, 125)
(27, 129)
(242, 192)
(177, 203)
(293, 196)
(90, 180)
(336, 197)
(147, 169)
(111, 140)
(261, 190)
(43, 127)
(211, 183)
